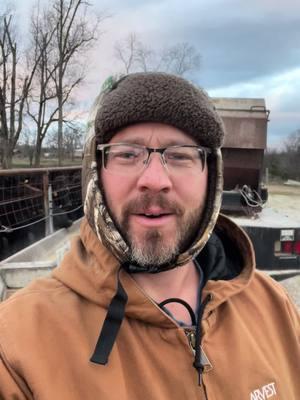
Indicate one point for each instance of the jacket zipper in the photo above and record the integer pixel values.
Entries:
(191, 336)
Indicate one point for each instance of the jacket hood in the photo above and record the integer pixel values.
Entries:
(151, 97)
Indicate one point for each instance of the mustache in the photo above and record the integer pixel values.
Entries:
(141, 204)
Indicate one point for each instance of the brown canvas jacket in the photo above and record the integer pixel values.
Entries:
(48, 333)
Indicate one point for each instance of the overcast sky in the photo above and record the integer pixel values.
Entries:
(248, 49)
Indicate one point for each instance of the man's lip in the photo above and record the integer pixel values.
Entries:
(145, 221)
(153, 212)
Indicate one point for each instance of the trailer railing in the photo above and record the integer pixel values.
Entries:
(45, 197)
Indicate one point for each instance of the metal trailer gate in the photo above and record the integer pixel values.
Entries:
(35, 202)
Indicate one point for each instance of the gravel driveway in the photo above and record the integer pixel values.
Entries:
(292, 285)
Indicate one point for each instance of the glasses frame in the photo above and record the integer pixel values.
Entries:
(161, 150)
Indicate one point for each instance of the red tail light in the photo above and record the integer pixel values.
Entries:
(287, 247)
(297, 247)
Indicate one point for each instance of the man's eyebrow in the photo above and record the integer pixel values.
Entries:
(134, 140)
(172, 142)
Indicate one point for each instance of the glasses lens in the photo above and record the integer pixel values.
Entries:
(182, 158)
(124, 158)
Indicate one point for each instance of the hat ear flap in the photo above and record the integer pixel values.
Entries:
(212, 208)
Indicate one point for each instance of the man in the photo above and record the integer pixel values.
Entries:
(159, 297)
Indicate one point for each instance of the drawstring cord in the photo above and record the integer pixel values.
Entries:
(182, 302)
(197, 362)
(111, 326)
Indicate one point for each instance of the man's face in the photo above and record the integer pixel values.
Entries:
(157, 211)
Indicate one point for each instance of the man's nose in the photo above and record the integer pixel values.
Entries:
(155, 176)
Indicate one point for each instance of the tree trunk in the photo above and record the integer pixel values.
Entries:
(59, 83)
(31, 155)
(7, 157)
(38, 151)
(60, 130)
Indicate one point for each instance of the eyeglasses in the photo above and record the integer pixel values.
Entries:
(124, 158)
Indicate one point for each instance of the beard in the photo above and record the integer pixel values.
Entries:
(152, 247)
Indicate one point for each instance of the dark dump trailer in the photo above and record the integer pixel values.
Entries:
(276, 238)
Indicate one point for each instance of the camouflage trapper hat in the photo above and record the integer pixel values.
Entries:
(151, 97)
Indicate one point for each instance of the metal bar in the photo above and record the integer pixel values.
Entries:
(46, 203)
(18, 199)
(7, 172)
(68, 187)
(250, 109)
(50, 202)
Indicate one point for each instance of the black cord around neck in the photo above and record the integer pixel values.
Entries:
(183, 303)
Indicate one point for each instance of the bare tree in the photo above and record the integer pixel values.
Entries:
(292, 150)
(126, 51)
(134, 55)
(41, 104)
(284, 163)
(292, 143)
(180, 59)
(27, 145)
(75, 34)
(146, 58)
(73, 139)
(61, 35)
(15, 84)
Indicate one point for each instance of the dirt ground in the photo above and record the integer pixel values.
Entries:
(285, 199)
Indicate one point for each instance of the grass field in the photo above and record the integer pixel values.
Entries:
(45, 162)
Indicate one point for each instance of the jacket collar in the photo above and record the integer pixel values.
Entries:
(90, 270)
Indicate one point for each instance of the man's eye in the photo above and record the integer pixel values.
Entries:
(177, 156)
(125, 155)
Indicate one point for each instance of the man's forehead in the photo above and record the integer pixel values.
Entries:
(152, 132)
